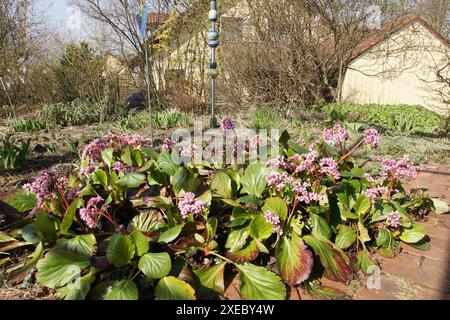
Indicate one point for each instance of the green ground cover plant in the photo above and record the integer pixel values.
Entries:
(401, 118)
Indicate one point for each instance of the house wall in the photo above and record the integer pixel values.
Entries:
(189, 50)
(401, 70)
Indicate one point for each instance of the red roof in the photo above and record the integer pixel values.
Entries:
(389, 29)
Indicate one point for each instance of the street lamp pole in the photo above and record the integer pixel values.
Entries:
(213, 43)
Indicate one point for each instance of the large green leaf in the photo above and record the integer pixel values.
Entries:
(171, 288)
(260, 229)
(100, 177)
(82, 244)
(70, 214)
(221, 185)
(247, 254)
(295, 261)
(258, 283)
(78, 289)
(276, 205)
(362, 205)
(60, 267)
(155, 265)
(320, 227)
(166, 164)
(254, 180)
(384, 238)
(171, 234)
(440, 206)
(237, 239)
(122, 290)
(22, 200)
(29, 234)
(180, 178)
(212, 277)
(364, 262)
(345, 237)
(148, 221)
(140, 241)
(45, 226)
(120, 250)
(108, 156)
(414, 234)
(336, 268)
(131, 180)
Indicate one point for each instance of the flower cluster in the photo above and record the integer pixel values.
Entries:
(308, 163)
(190, 205)
(398, 169)
(227, 125)
(168, 145)
(393, 219)
(279, 180)
(122, 167)
(372, 137)
(329, 167)
(90, 213)
(274, 219)
(335, 136)
(303, 194)
(42, 187)
(94, 149)
(373, 193)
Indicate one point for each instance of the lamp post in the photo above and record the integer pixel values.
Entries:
(213, 43)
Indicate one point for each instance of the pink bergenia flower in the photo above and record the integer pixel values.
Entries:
(42, 187)
(274, 219)
(308, 163)
(279, 180)
(277, 162)
(372, 137)
(335, 136)
(227, 125)
(329, 167)
(90, 213)
(168, 144)
(190, 205)
(398, 169)
(373, 193)
(393, 219)
(94, 149)
(303, 194)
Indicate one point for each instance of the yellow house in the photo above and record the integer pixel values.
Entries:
(407, 64)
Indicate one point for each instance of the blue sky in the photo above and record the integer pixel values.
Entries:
(56, 9)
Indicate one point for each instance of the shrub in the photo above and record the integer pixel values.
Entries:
(131, 222)
(398, 117)
(28, 125)
(13, 156)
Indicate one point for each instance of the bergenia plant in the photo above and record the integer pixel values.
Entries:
(131, 222)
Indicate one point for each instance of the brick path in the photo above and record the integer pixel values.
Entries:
(416, 274)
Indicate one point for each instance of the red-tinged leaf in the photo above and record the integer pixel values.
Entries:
(336, 268)
(295, 261)
(247, 254)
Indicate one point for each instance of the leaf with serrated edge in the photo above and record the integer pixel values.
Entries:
(171, 288)
(295, 261)
(212, 277)
(258, 283)
(59, 267)
(155, 265)
(247, 254)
